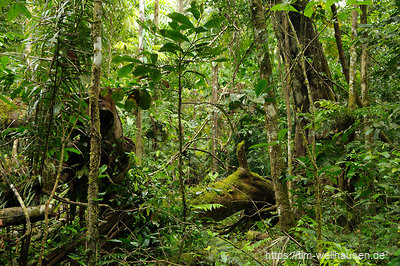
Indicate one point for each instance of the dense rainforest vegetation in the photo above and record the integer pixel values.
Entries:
(210, 132)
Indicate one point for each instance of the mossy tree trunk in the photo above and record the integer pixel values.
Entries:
(271, 118)
(353, 60)
(95, 137)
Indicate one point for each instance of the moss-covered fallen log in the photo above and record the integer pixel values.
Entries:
(15, 215)
(241, 190)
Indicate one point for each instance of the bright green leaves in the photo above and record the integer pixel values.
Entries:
(283, 7)
(3, 62)
(16, 9)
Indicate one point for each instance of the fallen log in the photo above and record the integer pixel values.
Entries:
(15, 215)
(241, 190)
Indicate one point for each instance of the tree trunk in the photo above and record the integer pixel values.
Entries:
(353, 61)
(215, 117)
(181, 6)
(317, 68)
(271, 118)
(16, 216)
(95, 137)
(139, 112)
(339, 43)
(364, 75)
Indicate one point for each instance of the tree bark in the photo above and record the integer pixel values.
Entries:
(353, 61)
(271, 118)
(339, 43)
(215, 117)
(317, 68)
(16, 216)
(95, 137)
(139, 112)
(181, 6)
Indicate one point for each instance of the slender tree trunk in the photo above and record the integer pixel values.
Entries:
(180, 163)
(353, 61)
(95, 138)
(339, 43)
(156, 16)
(285, 85)
(139, 112)
(271, 118)
(215, 117)
(181, 6)
(364, 73)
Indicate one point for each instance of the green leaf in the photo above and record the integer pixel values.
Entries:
(125, 58)
(222, 59)
(359, 2)
(258, 145)
(24, 10)
(283, 7)
(125, 70)
(141, 70)
(181, 19)
(144, 100)
(200, 29)
(174, 25)
(282, 133)
(214, 22)
(269, 100)
(206, 207)
(13, 11)
(155, 75)
(153, 58)
(73, 150)
(309, 10)
(4, 61)
(195, 12)
(170, 47)
(260, 87)
(129, 105)
(174, 35)
(102, 169)
(4, 99)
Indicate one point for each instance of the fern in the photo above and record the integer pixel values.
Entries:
(206, 207)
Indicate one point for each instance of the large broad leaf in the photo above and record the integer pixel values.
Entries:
(125, 70)
(309, 10)
(25, 11)
(153, 58)
(13, 11)
(282, 133)
(181, 19)
(155, 75)
(214, 22)
(195, 12)
(145, 100)
(261, 87)
(200, 29)
(141, 70)
(170, 47)
(174, 35)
